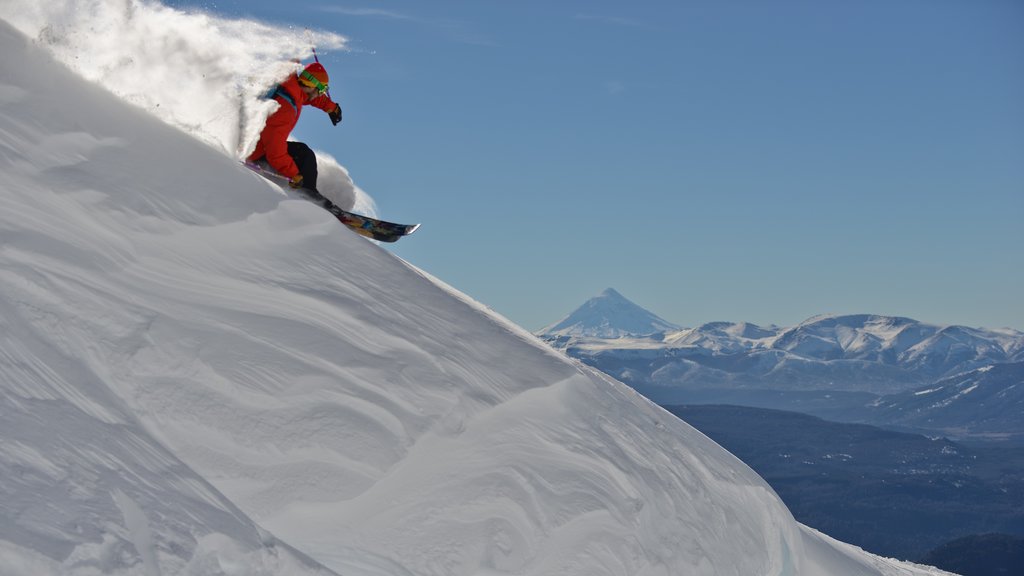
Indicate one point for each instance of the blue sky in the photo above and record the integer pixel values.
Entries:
(735, 160)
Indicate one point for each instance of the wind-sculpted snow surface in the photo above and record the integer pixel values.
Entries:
(187, 364)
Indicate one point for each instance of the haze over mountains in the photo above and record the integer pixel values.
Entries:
(987, 403)
(833, 366)
(891, 492)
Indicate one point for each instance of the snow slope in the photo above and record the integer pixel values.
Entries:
(189, 362)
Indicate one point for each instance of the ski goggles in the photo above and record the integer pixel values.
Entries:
(311, 81)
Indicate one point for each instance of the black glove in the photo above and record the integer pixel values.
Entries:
(335, 114)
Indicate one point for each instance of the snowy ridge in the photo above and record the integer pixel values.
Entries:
(862, 352)
(859, 337)
(724, 337)
(187, 365)
(898, 340)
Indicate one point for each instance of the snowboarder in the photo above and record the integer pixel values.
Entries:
(295, 160)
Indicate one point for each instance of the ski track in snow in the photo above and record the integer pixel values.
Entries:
(188, 362)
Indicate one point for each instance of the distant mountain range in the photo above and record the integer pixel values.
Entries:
(893, 493)
(882, 369)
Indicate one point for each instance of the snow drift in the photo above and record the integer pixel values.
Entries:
(189, 365)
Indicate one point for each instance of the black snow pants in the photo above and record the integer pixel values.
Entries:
(305, 159)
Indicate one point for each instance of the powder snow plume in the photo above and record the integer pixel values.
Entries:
(196, 71)
(201, 73)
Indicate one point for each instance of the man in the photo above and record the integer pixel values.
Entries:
(295, 160)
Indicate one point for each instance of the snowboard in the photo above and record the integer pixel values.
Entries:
(380, 230)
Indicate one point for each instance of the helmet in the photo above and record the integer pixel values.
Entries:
(314, 76)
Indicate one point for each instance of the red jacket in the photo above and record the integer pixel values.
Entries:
(273, 141)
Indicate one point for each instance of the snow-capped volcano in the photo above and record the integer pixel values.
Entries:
(609, 315)
(191, 360)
